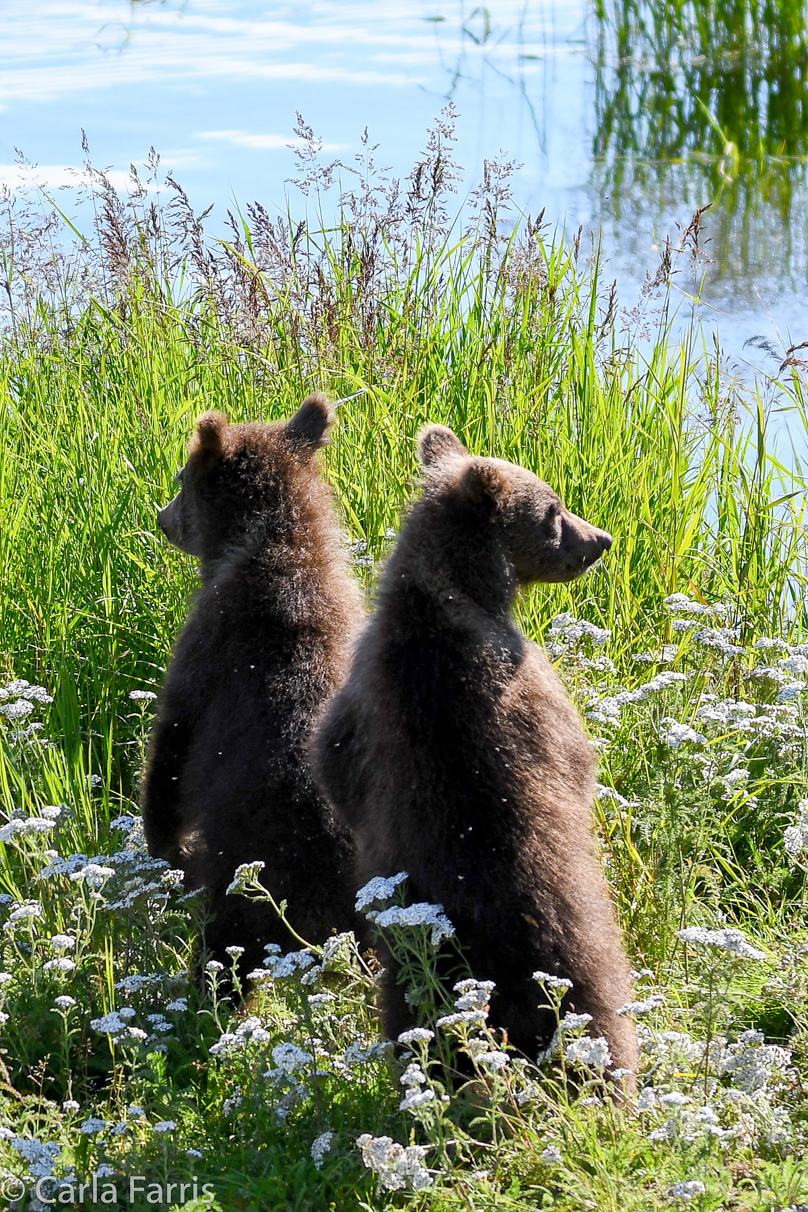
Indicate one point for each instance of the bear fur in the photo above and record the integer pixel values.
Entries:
(228, 779)
(453, 752)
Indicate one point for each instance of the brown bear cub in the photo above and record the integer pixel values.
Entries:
(228, 780)
(453, 752)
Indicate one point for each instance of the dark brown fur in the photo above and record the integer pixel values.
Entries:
(454, 753)
(228, 780)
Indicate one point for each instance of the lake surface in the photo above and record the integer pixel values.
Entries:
(610, 134)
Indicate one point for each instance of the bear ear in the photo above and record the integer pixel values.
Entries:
(485, 484)
(436, 443)
(206, 446)
(307, 428)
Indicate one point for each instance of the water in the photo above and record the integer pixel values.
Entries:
(610, 140)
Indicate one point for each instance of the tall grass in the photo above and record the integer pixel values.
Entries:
(112, 348)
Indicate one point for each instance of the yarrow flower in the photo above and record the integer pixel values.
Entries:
(319, 1147)
(416, 1035)
(675, 734)
(552, 982)
(588, 1051)
(795, 838)
(245, 874)
(397, 1167)
(493, 1060)
(733, 941)
(92, 1126)
(290, 1058)
(688, 1190)
(474, 994)
(142, 696)
(62, 964)
(422, 913)
(109, 1024)
(566, 627)
(165, 1125)
(643, 1007)
(62, 942)
(380, 888)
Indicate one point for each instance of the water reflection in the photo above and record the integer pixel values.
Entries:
(707, 102)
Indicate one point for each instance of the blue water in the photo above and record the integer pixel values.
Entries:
(214, 86)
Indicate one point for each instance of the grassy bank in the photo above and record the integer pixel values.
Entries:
(111, 346)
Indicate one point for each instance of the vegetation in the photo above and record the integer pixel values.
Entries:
(698, 102)
(684, 650)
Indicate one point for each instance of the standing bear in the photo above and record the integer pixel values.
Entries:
(453, 753)
(228, 780)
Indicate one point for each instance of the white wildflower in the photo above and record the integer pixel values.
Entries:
(552, 982)
(416, 1035)
(24, 826)
(357, 1054)
(17, 710)
(588, 1051)
(93, 875)
(165, 1125)
(234, 952)
(493, 1060)
(474, 994)
(675, 734)
(245, 874)
(142, 696)
(380, 888)
(70, 1104)
(319, 1147)
(62, 942)
(179, 1003)
(92, 1126)
(415, 1098)
(680, 603)
(26, 911)
(135, 1112)
(64, 1001)
(397, 1167)
(282, 966)
(462, 1016)
(109, 1024)
(138, 981)
(792, 690)
(794, 664)
(552, 1155)
(674, 1099)
(643, 1007)
(573, 1022)
(422, 913)
(289, 1058)
(61, 964)
(795, 838)
(570, 629)
(733, 941)
(688, 1190)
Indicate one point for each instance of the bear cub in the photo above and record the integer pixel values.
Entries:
(453, 752)
(228, 780)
